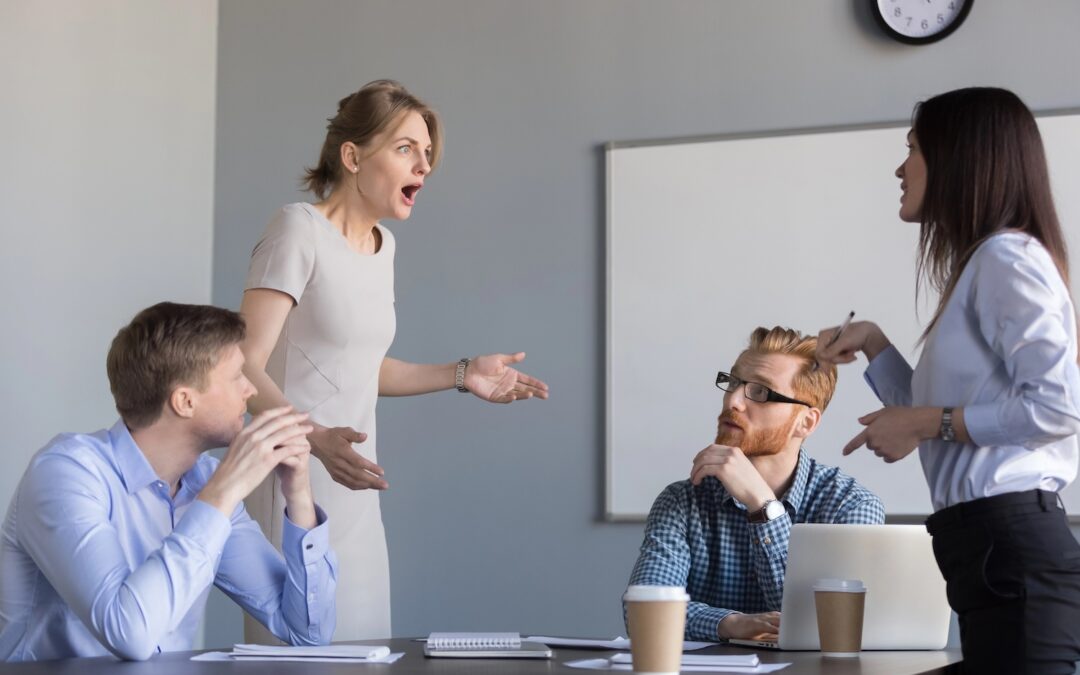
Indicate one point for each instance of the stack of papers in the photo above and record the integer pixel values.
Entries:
(323, 654)
(614, 643)
(691, 663)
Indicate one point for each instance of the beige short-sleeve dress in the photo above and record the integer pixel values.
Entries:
(327, 362)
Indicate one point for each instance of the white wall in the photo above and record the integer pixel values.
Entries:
(106, 196)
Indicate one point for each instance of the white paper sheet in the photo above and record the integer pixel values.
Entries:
(615, 643)
(341, 651)
(330, 654)
(604, 664)
(737, 660)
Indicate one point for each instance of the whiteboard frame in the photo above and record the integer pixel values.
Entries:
(609, 514)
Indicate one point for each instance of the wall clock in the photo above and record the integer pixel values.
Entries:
(920, 22)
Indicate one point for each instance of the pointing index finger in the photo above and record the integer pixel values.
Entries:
(855, 443)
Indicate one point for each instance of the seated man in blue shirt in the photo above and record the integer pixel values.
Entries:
(724, 533)
(113, 539)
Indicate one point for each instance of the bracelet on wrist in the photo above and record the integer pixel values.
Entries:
(459, 375)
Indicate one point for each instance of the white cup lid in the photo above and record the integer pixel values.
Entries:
(655, 593)
(840, 585)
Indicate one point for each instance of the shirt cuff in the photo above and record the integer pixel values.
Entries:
(705, 624)
(308, 545)
(205, 525)
(888, 366)
(984, 426)
(771, 537)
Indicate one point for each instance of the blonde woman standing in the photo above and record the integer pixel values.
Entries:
(319, 306)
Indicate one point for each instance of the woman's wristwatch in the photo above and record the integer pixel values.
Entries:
(459, 376)
(947, 432)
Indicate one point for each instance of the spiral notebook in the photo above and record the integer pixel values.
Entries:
(484, 646)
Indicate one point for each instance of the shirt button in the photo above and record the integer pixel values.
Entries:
(309, 546)
(767, 540)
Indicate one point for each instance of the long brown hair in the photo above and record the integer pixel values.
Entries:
(360, 118)
(985, 172)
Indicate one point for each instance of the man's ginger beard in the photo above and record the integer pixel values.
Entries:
(757, 443)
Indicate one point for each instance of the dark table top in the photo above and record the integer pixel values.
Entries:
(414, 663)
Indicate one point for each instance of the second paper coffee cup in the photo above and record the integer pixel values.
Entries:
(840, 604)
(656, 617)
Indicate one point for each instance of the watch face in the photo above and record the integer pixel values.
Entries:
(774, 510)
(920, 21)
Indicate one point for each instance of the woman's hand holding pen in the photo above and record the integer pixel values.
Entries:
(859, 336)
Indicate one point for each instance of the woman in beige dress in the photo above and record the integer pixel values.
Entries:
(319, 306)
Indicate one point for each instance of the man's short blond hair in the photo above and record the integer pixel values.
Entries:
(815, 386)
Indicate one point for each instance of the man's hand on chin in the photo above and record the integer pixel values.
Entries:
(733, 469)
(737, 626)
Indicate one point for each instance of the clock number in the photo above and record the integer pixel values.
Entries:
(909, 21)
(896, 12)
(952, 5)
(925, 24)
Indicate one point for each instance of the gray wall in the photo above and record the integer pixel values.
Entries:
(106, 196)
(493, 513)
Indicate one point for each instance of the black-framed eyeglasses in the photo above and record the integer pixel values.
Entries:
(754, 391)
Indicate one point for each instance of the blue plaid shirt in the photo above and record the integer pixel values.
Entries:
(700, 538)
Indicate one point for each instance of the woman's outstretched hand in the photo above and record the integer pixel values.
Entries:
(492, 378)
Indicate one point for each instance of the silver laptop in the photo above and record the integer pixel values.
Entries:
(906, 607)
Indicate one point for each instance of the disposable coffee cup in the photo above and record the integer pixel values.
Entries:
(656, 616)
(840, 604)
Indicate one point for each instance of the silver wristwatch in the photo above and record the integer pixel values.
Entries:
(772, 510)
(459, 376)
(947, 433)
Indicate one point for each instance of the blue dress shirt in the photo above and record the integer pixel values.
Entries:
(700, 538)
(97, 558)
(1003, 349)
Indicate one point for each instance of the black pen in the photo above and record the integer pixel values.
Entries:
(843, 327)
(837, 334)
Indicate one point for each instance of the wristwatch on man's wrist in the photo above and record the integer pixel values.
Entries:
(947, 432)
(771, 510)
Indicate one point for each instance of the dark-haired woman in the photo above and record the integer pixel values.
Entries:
(319, 306)
(994, 402)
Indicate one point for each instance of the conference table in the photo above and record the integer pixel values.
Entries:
(414, 663)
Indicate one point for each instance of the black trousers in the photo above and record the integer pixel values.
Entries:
(1012, 574)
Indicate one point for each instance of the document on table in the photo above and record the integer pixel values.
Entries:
(615, 643)
(712, 663)
(320, 654)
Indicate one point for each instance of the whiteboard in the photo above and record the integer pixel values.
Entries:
(709, 238)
